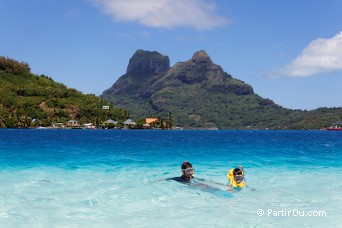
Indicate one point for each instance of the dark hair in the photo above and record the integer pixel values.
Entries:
(237, 171)
(186, 165)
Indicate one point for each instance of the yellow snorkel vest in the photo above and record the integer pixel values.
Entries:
(231, 180)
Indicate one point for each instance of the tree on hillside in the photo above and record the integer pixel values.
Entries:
(170, 120)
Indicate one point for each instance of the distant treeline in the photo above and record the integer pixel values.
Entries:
(11, 66)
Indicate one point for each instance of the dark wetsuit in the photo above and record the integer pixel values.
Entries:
(180, 179)
(185, 180)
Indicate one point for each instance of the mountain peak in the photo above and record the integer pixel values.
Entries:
(147, 62)
(201, 57)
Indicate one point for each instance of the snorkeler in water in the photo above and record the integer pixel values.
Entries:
(187, 177)
(187, 173)
(236, 178)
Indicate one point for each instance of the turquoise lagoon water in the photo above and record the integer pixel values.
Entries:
(114, 178)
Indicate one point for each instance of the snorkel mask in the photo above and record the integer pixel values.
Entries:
(238, 178)
(189, 171)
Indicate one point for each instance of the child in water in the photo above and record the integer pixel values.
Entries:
(236, 178)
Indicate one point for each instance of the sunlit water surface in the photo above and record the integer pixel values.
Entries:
(115, 178)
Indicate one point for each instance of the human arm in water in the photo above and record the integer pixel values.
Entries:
(230, 186)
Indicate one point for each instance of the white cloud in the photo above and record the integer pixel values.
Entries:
(199, 14)
(320, 56)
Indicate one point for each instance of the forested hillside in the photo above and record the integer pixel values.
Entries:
(28, 100)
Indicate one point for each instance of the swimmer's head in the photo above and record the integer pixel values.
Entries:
(238, 175)
(186, 164)
(187, 169)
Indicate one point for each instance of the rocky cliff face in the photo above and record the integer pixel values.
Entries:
(201, 70)
(145, 62)
(143, 69)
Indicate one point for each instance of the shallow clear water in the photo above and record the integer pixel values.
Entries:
(113, 178)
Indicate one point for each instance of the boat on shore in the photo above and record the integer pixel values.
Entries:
(335, 127)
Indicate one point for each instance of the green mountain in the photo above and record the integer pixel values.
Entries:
(25, 97)
(201, 94)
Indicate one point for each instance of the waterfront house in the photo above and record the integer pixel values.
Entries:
(73, 123)
(147, 126)
(150, 120)
(110, 121)
(129, 123)
(57, 125)
(88, 126)
(109, 124)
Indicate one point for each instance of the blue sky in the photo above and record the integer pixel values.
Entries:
(289, 51)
